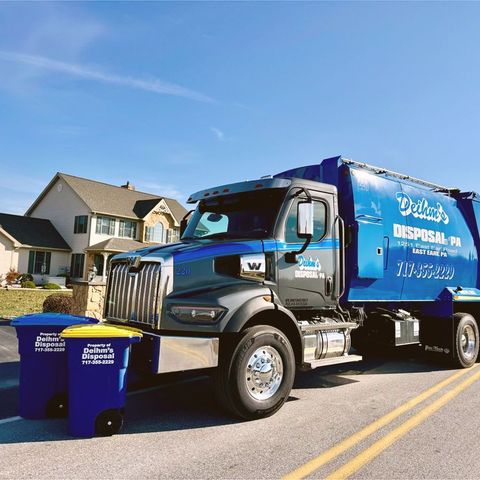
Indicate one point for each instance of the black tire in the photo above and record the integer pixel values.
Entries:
(238, 380)
(108, 423)
(57, 406)
(465, 348)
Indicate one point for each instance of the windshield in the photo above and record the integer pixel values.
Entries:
(243, 215)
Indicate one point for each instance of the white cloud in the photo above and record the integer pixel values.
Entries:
(154, 85)
(160, 189)
(18, 192)
(20, 184)
(16, 205)
(218, 133)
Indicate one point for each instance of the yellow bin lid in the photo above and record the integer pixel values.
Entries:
(100, 330)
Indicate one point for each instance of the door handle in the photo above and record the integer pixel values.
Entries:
(328, 285)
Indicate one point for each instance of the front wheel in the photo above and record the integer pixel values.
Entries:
(254, 379)
(466, 340)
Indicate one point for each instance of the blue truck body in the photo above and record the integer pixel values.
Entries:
(407, 242)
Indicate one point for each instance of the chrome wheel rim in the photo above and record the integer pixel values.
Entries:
(264, 373)
(468, 342)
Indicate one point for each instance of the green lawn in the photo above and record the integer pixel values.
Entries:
(18, 302)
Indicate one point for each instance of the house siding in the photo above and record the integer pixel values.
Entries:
(99, 237)
(61, 208)
(8, 255)
(58, 262)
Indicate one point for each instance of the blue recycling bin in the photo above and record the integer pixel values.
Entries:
(43, 363)
(97, 377)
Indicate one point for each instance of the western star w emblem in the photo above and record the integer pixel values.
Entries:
(134, 261)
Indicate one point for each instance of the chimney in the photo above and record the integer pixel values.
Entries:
(128, 186)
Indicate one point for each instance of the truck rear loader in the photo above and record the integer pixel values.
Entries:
(307, 268)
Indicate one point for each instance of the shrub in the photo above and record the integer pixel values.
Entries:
(28, 284)
(52, 286)
(25, 277)
(58, 304)
(11, 276)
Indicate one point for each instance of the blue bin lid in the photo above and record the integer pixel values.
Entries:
(50, 319)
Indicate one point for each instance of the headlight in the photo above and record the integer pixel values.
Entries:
(196, 314)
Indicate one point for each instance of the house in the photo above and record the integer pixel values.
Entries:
(31, 245)
(95, 220)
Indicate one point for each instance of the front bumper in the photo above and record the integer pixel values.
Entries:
(164, 353)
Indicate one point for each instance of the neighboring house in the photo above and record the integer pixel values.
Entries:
(32, 245)
(98, 220)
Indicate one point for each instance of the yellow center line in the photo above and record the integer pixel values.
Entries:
(378, 447)
(373, 427)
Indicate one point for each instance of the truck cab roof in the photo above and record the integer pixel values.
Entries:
(256, 185)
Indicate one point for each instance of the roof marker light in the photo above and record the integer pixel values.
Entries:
(225, 190)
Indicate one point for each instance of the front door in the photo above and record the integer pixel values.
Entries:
(311, 282)
(99, 262)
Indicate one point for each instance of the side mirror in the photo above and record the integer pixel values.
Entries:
(184, 223)
(305, 219)
(183, 226)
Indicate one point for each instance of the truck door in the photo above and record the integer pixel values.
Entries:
(311, 283)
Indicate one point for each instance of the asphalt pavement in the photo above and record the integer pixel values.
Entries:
(405, 417)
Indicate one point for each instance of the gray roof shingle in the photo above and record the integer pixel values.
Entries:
(109, 199)
(37, 232)
(116, 245)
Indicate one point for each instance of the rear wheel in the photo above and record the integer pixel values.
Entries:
(255, 377)
(466, 345)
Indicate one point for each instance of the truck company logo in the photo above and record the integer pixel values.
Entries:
(134, 261)
(421, 209)
(309, 268)
(408, 232)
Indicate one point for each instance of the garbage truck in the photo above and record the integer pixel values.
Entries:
(310, 267)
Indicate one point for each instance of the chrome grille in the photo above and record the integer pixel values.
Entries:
(133, 297)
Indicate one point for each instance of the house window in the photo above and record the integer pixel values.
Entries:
(105, 226)
(127, 229)
(80, 224)
(76, 267)
(39, 262)
(173, 235)
(155, 233)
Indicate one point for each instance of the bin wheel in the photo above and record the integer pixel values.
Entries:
(57, 406)
(108, 423)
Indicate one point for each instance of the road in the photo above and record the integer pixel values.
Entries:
(404, 418)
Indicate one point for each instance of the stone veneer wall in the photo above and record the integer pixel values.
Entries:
(152, 219)
(89, 299)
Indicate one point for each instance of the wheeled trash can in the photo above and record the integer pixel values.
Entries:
(97, 369)
(43, 363)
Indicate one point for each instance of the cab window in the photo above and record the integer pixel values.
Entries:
(319, 222)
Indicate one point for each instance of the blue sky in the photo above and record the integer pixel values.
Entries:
(176, 97)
